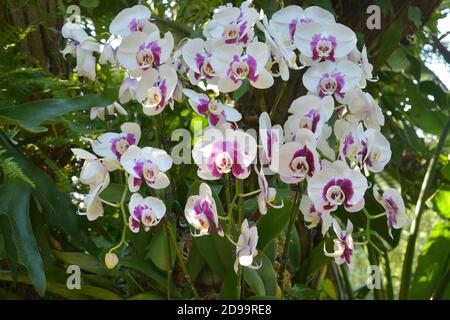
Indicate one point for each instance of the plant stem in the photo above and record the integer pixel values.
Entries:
(414, 229)
(284, 256)
(348, 285)
(249, 194)
(181, 260)
(124, 216)
(389, 286)
(239, 190)
(281, 89)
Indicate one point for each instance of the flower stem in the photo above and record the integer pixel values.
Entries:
(172, 235)
(249, 194)
(284, 256)
(115, 205)
(124, 216)
(239, 190)
(280, 94)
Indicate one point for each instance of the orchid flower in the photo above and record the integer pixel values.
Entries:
(134, 19)
(156, 88)
(232, 25)
(246, 247)
(284, 56)
(93, 204)
(270, 137)
(82, 46)
(343, 245)
(139, 51)
(328, 78)
(336, 184)
(314, 217)
(309, 112)
(223, 151)
(362, 107)
(361, 59)
(298, 160)
(109, 50)
(95, 171)
(351, 140)
(376, 151)
(392, 202)
(197, 54)
(321, 42)
(267, 195)
(233, 67)
(286, 21)
(149, 164)
(215, 111)
(101, 112)
(201, 212)
(112, 145)
(149, 211)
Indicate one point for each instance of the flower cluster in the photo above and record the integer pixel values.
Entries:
(328, 146)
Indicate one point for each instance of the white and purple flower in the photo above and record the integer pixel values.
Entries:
(336, 184)
(149, 211)
(233, 67)
(112, 145)
(314, 217)
(392, 202)
(308, 112)
(156, 88)
(232, 25)
(197, 54)
(134, 19)
(215, 111)
(148, 164)
(267, 195)
(320, 42)
(246, 247)
(201, 212)
(270, 137)
(328, 78)
(343, 245)
(298, 160)
(139, 51)
(221, 152)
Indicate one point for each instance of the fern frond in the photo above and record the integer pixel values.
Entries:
(12, 170)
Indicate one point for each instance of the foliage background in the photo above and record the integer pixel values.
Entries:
(41, 234)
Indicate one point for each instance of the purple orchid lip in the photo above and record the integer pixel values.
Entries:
(328, 45)
(347, 251)
(155, 50)
(345, 186)
(392, 211)
(130, 138)
(251, 62)
(203, 106)
(308, 155)
(331, 83)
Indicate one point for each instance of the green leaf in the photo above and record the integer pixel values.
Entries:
(329, 290)
(274, 222)
(31, 115)
(146, 268)
(85, 261)
(262, 281)
(195, 262)
(147, 296)
(14, 203)
(89, 4)
(228, 290)
(446, 171)
(415, 15)
(10, 248)
(57, 205)
(441, 201)
(317, 258)
(241, 91)
(161, 251)
(254, 281)
(433, 263)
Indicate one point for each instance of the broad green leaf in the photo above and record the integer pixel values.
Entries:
(317, 259)
(228, 290)
(441, 201)
(31, 115)
(433, 263)
(262, 281)
(254, 281)
(195, 262)
(274, 222)
(14, 203)
(161, 251)
(85, 261)
(57, 205)
(10, 248)
(146, 268)
(329, 290)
